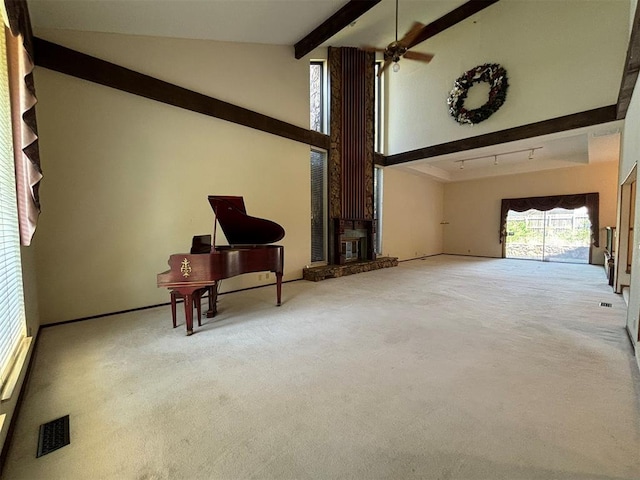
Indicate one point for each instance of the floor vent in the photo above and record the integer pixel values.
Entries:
(605, 304)
(53, 435)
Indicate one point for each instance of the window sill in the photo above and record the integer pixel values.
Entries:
(12, 380)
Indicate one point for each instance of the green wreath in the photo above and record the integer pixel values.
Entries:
(495, 76)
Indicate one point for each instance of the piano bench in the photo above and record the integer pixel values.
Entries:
(197, 301)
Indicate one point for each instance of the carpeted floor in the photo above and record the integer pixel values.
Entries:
(442, 368)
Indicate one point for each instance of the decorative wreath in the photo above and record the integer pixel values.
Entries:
(495, 76)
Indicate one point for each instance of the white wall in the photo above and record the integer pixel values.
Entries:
(126, 178)
(472, 208)
(561, 57)
(412, 212)
(263, 78)
(629, 158)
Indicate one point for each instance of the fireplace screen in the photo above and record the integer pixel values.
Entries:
(352, 241)
(350, 249)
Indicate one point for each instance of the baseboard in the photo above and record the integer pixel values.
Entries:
(422, 257)
(469, 255)
(119, 312)
(630, 335)
(625, 295)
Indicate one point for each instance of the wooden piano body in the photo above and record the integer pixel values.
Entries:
(248, 251)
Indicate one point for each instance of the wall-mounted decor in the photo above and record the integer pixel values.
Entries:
(495, 76)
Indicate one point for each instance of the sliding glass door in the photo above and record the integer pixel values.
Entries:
(558, 235)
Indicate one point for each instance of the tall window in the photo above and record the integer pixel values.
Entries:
(12, 312)
(378, 111)
(318, 206)
(379, 146)
(377, 208)
(318, 122)
(317, 91)
(632, 216)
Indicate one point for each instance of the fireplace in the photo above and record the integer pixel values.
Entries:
(350, 168)
(353, 240)
(350, 249)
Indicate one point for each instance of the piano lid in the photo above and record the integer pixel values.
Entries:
(240, 228)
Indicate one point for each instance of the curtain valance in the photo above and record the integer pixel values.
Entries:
(23, 112)
(570, 202)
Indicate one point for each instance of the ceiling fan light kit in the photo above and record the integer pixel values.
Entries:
(492, 73)
(400, 48)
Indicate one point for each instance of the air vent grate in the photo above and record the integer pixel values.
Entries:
(605, 304)
(53, 435)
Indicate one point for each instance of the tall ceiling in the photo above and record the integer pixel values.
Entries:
(276, 22)
(285, 22)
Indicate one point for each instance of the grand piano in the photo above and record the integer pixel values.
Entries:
(249, 250)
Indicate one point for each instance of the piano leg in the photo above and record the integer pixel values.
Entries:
(279, 286)
(188, 312)
(197, 299)
(189, 295)
(213, 301)
(173, 307)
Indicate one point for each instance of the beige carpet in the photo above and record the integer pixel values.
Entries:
(443, 368)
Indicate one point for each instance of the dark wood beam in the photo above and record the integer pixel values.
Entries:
(336, 22)
(546, 127)
(457, 15)
(65, 60)
(631, 68)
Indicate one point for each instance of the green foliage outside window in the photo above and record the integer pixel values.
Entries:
(519, 232)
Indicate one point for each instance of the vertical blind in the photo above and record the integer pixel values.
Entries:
(12, 312)
(318, 202)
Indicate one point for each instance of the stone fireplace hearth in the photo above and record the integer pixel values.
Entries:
(315, 274)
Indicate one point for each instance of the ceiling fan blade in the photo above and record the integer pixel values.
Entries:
(422, 57)
(384, 67)
(412, 34)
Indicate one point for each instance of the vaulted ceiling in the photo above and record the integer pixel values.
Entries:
(277, 22)
(286, 22)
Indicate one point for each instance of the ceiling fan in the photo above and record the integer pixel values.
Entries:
(400, 48)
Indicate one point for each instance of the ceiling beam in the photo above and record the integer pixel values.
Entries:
(348, 14)
(546, 127)
(631, 68)
(457, 15)
(80, 65)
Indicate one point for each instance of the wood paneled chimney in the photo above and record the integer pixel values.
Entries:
(351, 165)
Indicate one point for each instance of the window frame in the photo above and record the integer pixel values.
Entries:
(378, 125)
(325, 207)
(14, 336)
(324, 96)
(378, 175)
